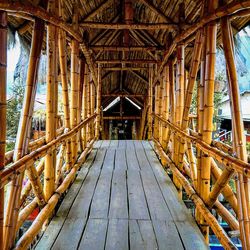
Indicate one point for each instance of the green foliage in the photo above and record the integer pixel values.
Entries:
(14, 107)
(9, 146)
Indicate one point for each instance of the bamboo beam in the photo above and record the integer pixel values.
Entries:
(211, 220)
(238, 132)
(150, 102)
(227, 160)
(220, 12)
(132, 61)
(124, 26)
(3, 87)
(98, 104)
(31, 233)
(21, 146)
(123, 95)
(121, 117)
(139, 76)
(125, 68)
(124, 48)
(22, 164)
(96, 11)
(157, 11)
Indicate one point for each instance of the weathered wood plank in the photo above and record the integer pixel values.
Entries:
(138, 208)
(167, 235)
(130, 144)
(117, 236)
(78, 215)
(138, 144)
(118, 203)
(105, 144)
(120, 160)
(101, 199)
(132, 159)
(142, 159)
(57, 222)
(141, 235)
(94, 235)
(109, 162)
(122, 144)
(188, 229)
(114, 144)
(156, 203)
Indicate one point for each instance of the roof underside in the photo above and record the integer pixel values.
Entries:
(144, 11)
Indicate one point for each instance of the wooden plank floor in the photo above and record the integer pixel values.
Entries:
(122, 199)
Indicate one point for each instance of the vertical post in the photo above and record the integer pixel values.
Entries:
(98, 103)
(92, 107)
(3, 83)
(156, 111)
(165, 108)
(88, 106)
(211, 33)
(21, 146)
(64, 80)
(74, 85)
(84, 107)
(150, 101)
(172, 100)
(238, 131)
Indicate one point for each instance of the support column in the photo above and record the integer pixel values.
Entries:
(211, 34)
(3, 104)
(150, 102)
(98, 104)
(21, 146)
(239, 144)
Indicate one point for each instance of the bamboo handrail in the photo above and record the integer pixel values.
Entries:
(222, 157)
(210, 219)
(19, 166)
(30, 234)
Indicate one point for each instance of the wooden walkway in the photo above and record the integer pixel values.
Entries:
(122, 199)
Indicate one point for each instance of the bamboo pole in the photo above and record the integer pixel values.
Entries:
(239, 138)
(64, 80)
(211, 220)
(98, 104)
(84, 107)
(21, 146)
(166, 102)
(150, 102)
(3, 87)
(50, 159)
(74, 104)
(59, 164)
(28, 187)
(21, 165)
(156, 111)
(45, 213)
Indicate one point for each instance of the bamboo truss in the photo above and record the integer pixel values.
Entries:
(200, 166)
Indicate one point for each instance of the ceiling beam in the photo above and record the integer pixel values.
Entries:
(139, 76)
(124, 68)
(122, 95)
(157, 11)
(105, 4)
(125, 48)
(132, 61)
(134, 26)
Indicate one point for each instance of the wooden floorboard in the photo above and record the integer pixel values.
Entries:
(122, 199)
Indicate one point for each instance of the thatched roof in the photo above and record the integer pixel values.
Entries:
(143, 12)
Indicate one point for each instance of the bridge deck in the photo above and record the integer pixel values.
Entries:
(122, 199)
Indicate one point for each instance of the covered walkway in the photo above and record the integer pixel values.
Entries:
(122, 199)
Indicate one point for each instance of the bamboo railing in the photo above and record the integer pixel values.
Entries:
(49, 164)
(201, 166)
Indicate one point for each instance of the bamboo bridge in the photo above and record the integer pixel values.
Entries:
(92, 192)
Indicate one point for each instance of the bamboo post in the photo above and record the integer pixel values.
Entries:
(150, 102)
(98, 103)
(165, 108)
(3, 87)
(211, 34)
(161, 99)
(84, 107)
(21, 146)
(88, 106)
(239, 137)
(64, 80)
(50, 158)
(92, 109)
(74, 104)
